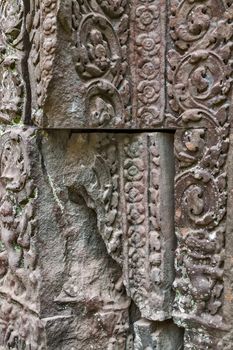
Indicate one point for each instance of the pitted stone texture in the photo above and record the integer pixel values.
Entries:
(154, 335)
(49, 298)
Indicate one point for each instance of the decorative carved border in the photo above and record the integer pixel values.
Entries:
(148, 62)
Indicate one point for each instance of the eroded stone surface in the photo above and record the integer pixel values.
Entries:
(72, 208)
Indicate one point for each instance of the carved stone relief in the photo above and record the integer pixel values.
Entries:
(199, 78)
(116, 240)
(114, 71)
(104, 174)
(88, 225)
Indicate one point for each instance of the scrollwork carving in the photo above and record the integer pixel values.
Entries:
(200, 79)
(191, 20)
(104, 105)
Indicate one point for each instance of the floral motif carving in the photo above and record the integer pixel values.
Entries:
(127, 201)
(148, 75)
(98, 51)
(200, 77)
(145, 238)
(104, 105)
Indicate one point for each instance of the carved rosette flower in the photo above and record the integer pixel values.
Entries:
(148, 92)
(149, 115)
(146, 16)
(148, 44)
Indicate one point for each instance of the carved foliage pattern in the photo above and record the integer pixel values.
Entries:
(19, 276)
(200, 76)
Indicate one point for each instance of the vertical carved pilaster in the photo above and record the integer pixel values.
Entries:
(199, 89)
(42, 30)
(147, 63)
(134, 214)
(20, 324)
(149, 236)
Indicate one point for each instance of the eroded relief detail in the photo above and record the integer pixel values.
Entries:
(200, 77)
(11, 53)
(127, 199)
(20, 326)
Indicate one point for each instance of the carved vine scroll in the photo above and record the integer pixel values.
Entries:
(200, 77)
